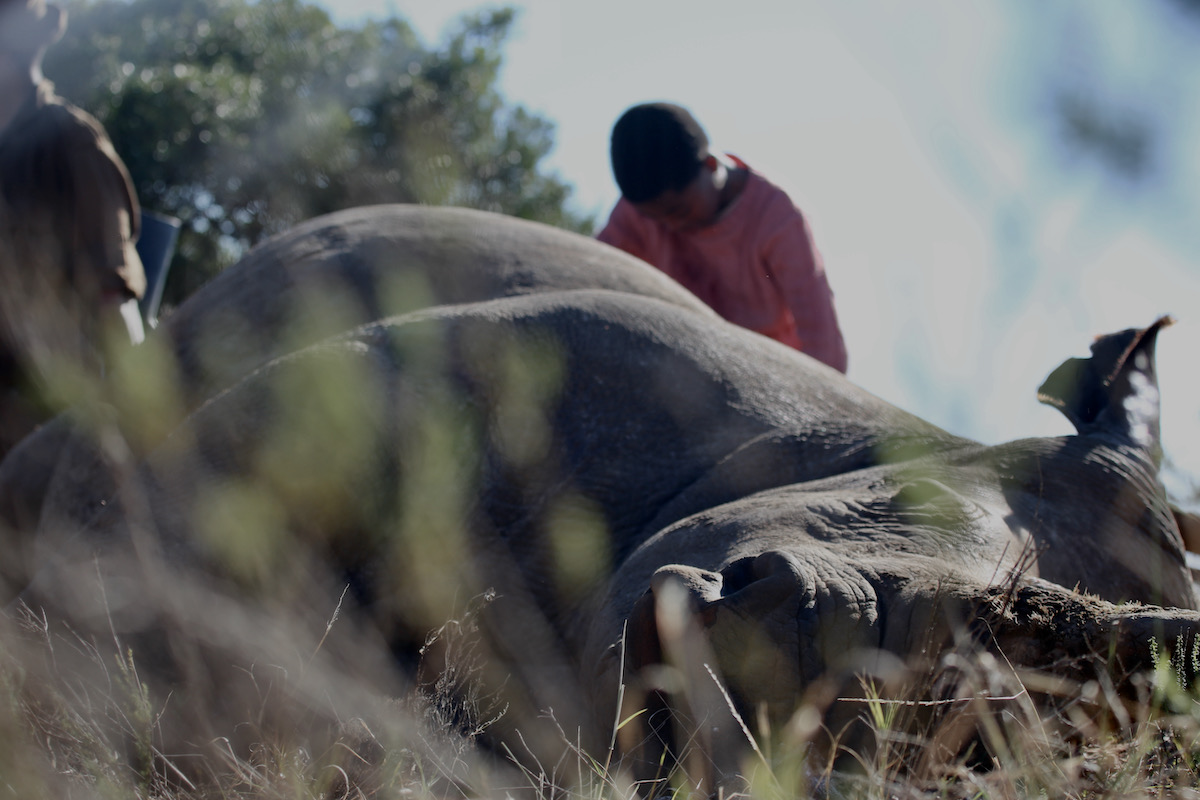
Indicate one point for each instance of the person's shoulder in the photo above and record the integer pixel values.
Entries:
(75, 122)
(52, 122)
(54, 106)
(765, 201)
(762, 188)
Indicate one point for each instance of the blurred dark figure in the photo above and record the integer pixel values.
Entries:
(70, 277)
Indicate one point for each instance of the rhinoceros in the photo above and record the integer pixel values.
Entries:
(396, 411)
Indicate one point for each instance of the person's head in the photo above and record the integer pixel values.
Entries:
(27, 28)
(663, 166)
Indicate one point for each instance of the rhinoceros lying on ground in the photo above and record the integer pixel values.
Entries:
(536, 418)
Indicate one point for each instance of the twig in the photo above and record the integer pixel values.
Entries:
(932, 703)
(328, 627)
(738, 717)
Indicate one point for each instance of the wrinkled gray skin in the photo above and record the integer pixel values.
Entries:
(810, 525)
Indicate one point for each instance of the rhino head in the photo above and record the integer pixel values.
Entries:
(781, 608)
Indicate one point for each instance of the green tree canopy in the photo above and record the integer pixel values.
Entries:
(244, 118)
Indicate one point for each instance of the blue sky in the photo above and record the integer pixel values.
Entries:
(968, 253)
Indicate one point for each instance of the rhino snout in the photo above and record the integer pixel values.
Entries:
(771, 623)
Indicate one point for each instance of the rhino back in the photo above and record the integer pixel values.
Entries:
(322, 278)
(338, 271)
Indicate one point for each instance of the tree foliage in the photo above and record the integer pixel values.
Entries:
(244, 118)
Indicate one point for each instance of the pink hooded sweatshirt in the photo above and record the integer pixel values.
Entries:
(756, 266)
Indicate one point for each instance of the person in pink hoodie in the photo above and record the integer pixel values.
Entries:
(725, 232)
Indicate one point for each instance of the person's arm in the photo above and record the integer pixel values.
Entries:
(104, 223)
(795, 265)
(107, 216)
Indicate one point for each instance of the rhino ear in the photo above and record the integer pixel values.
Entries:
(1116, 390)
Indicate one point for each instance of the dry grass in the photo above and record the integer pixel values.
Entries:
(68, 731)
(990, 732)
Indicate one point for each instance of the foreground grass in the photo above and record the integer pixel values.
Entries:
(1001, 735)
